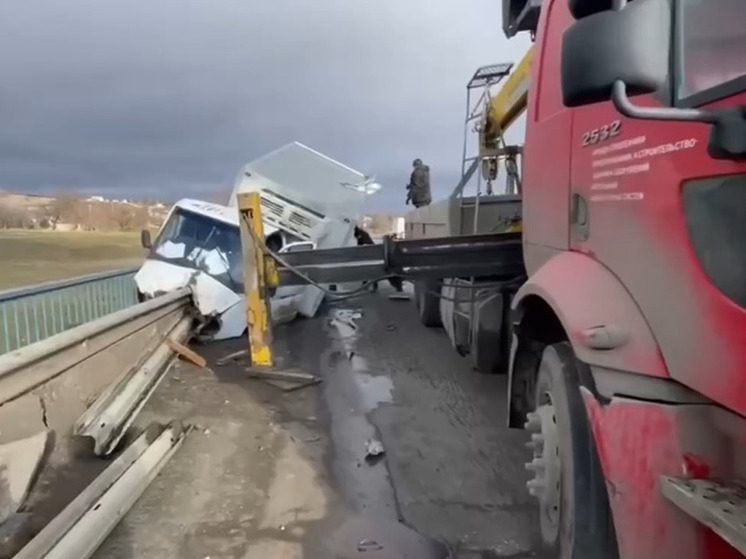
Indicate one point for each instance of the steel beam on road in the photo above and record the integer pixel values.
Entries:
(498, 256)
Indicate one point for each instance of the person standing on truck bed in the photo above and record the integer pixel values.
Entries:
(363, 238)
(418, 189)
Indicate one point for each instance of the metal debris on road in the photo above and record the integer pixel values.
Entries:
(400, 296)
(285, 380)
(108, 419)
(232, 357)
(369, 545)
(83, 525)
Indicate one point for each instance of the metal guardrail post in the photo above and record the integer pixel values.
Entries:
(255, 273)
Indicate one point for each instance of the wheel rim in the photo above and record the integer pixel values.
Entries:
(546, 467)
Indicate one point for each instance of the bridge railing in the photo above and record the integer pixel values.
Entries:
(34, 313)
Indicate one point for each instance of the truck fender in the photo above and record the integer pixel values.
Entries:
(574, 297)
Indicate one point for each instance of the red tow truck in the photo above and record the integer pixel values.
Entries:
(628, 324)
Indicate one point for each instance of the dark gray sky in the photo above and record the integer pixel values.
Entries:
(168, 98)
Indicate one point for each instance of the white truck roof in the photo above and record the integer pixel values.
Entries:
(225, 214)
(308, 178)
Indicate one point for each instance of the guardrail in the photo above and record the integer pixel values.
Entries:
(91, 380)
(31, 314)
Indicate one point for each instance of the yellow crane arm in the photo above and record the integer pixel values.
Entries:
(505, 107)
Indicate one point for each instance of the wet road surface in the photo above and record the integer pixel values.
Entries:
(271, 474)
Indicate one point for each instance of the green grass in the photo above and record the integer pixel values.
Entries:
(30, 257)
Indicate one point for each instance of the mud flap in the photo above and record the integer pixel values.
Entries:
(490, 353)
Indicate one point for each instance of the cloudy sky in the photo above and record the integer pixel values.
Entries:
(168, 98)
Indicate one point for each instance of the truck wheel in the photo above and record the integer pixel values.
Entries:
(428, 303)
(574, 512)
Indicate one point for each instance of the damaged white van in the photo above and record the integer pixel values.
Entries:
(308, 201)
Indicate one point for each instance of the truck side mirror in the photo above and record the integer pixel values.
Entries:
(145, 239)
(631, 46)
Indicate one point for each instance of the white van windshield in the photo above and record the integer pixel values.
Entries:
(202, 243)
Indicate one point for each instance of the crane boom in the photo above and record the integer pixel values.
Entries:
(505, 107)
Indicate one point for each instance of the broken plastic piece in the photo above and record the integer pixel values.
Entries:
(373, 448)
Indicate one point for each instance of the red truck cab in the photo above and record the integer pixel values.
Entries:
(630, 337)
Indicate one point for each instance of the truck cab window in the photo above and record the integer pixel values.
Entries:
(711, 44)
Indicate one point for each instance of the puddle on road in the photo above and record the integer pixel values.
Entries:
(352, 393)
(374, 389)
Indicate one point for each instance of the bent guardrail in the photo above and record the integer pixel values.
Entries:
(104, 371)
(34, 313)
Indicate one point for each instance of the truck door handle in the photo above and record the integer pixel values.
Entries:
(580, 220)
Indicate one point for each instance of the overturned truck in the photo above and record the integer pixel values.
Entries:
(308, 200)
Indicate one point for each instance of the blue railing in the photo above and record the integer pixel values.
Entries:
(31, 314)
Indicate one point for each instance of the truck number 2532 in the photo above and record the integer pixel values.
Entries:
(602, 134)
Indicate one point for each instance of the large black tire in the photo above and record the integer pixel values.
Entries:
(428, 303)
(583, 526)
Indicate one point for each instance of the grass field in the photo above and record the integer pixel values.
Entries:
(29, 257)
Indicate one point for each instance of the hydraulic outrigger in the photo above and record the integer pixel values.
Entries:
(498, 257)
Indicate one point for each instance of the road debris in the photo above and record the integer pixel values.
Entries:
(187, 353)
(108, 419)
(232, 357)
(373, 450)
(400, 296)
(286, 375)
(83, 525)
(344, 321)
(368, 545)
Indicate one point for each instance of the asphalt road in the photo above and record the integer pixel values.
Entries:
(271, 474)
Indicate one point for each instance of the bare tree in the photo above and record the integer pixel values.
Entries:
(64, 208)
(12, 217)
(124, 216)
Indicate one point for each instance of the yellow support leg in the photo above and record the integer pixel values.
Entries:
(256, 281)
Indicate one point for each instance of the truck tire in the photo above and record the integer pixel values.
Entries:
(574, 513)
(428, 303)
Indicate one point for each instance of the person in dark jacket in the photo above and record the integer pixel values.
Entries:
(363, 238)
(418, 189)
